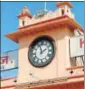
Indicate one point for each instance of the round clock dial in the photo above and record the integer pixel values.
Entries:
(41, 52)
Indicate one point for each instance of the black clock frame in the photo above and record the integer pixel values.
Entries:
(34, 42)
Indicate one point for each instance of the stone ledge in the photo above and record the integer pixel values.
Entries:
(65, 85)
(40, 83)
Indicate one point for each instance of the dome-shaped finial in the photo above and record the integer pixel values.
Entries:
(60, 3)
(25, 12)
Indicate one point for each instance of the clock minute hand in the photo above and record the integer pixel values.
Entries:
(40, 50)
(43, 51)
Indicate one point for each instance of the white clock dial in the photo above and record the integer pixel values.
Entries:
(41, 52)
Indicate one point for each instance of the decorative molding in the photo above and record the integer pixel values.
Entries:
(62, 85)
(6, 87)
(41, 83)
(6, 79)
(75, 67)
(78, 76)
(56, 22)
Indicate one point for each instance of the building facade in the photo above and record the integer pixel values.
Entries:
(44, 58)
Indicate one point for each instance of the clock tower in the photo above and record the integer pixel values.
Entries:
(44, 44)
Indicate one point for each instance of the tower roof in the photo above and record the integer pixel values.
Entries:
(64, 3)
(24, 12)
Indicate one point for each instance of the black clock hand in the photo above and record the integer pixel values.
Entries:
(43, 51)
(40, 50)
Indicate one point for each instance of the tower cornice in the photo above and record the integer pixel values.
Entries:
(53, 23)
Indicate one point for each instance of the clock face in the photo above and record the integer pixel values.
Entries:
(41, 52)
